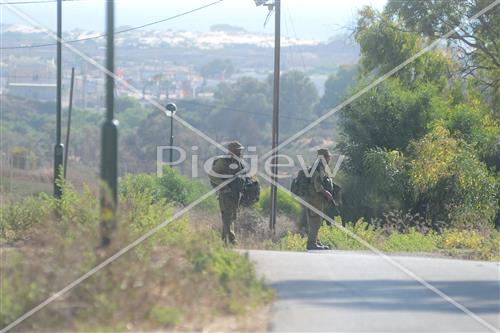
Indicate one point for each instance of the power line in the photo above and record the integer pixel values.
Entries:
(116, 33)
(221, 107)
(34, 2)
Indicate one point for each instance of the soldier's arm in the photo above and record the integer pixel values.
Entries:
(318, 186)
(317, 183)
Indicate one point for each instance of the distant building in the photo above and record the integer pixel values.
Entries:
(34, 91)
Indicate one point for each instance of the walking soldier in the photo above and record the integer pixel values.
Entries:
(226, 167)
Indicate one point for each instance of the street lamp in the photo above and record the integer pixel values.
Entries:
(171, 108)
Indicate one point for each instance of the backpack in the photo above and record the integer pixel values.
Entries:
(251, 192)
(214, 180)
(301, 184)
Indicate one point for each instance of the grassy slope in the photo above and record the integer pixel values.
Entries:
(181, 277)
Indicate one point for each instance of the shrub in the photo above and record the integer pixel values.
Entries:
(286, 203)
(165, 316)
(341, 239)
(461, 239)
(179, 269)
(172, 187)
(413, 241)
(17, 218)
(293, 242)
(177, 188)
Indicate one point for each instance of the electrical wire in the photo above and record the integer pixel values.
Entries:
(33, 2)
(116, 33)
(220, 107)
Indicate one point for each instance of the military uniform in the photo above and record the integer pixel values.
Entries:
(316, 198)
(229, 196)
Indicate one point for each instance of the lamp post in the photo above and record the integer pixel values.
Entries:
(171, 108)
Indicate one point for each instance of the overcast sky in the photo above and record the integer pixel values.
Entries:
(318, 19)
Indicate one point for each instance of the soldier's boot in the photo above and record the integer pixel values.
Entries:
(314, 223)
(314, 247)
(324, 247)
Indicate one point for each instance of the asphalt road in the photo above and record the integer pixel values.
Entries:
(331, 291)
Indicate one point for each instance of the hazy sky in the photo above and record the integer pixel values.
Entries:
(317, 19)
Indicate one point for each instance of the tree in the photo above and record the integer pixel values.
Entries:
(298, 96)
(422, 140)
(243, 110)
(336, 87)
(476, 42)
(218, 68)
(384, 45)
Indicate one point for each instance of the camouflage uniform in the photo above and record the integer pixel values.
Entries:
(229, 195)
(321, 187)
(317, 200)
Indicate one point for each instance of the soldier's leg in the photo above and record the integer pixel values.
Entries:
(313, 225)
(234, 216)
(225, 212)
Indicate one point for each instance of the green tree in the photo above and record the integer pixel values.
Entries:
(217, 68)
(242, 111)
(476, 42)
(336, 87)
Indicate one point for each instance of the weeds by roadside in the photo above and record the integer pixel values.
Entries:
(182, 277)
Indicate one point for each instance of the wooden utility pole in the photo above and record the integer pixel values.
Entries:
(276, 103)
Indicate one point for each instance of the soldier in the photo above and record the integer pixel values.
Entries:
(319, 195)
(224, 168)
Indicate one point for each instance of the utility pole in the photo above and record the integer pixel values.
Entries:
(59, 147)
(276, 97)
(68, 129)
(109, 144)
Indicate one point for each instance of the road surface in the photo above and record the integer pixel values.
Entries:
(337, 291)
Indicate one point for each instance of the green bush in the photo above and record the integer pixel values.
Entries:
(17, 218)
(293, 242)
(286, 203)
(339, 239)
(166, 316)
(178, 269)
(172, 187)
(413, 241)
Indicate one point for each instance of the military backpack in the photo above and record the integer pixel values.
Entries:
(251, 191)
(301, 185)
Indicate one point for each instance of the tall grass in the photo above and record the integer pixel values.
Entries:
(181, 277)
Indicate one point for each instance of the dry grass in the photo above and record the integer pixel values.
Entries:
(181, 279)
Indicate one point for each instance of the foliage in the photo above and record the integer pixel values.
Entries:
(285, 201)
(293, 242)
(469, 244)
(452, 184)
(171, 187)
(423, 140)
(165, 316)
(298, 95)
(435, 18)
(349, 237)
(384, 45)
(413, 241)
(461, 239)
(217, 68)
(336, 86)
(135, 288)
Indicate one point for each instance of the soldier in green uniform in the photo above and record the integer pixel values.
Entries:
(319, 195)
(224, 168)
